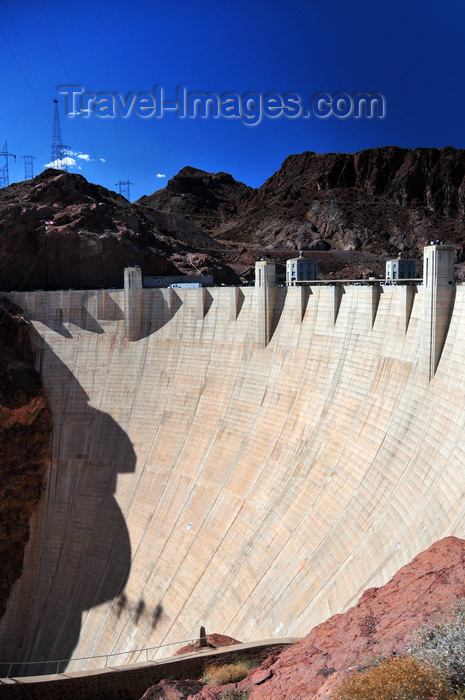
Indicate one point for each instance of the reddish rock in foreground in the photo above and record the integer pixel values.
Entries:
(213, 641)
(382, 622)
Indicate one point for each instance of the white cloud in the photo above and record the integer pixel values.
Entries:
(71, 159)
(60, 163)
(79, 113)
(78, 154)
(160, 175)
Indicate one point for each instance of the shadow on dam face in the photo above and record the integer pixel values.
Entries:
(286, 462)
(81, 552)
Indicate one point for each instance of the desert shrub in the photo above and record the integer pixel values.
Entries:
(443, 646)
(217, 674)
(399, 678)
(234, 695)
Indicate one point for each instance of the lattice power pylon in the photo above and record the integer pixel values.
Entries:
(59, 150)
(124, 188)
(28, 167)
(4, 175)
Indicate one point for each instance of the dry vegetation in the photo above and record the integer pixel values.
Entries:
(399, 678)
(221, 674)
(443, 646)
(234, 695)
(434, 666)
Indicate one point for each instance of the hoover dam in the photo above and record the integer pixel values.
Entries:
(249, 459)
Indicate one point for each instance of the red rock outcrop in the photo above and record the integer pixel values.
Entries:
(214, 641)
(25, 439)
(382, 622)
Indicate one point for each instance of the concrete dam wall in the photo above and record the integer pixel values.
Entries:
(252, 460)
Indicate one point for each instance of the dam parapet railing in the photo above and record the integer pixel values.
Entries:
(132, 680)
(9, 669)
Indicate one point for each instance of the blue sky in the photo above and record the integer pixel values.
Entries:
(409, 52)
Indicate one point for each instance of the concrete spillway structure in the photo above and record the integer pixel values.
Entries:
(247, 461)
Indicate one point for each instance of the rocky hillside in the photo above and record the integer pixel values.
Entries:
(210, 200)
(380, 201)
(381, 623)
(25, 439)
(94, 233)
(372, 203)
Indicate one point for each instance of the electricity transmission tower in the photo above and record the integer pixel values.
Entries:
(124, 188)
(28, 167)
(4, 176)
(59, 150)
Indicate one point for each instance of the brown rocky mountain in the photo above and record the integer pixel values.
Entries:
(206, 199)
(352, 210)
(378, 201)
(94, 234)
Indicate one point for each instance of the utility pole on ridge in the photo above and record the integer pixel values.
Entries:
(4, 175)
(59, 150)
(124, 188)
(28, 167)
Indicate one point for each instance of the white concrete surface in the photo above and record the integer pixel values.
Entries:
(201, 476)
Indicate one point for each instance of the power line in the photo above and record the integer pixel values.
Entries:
(24, 76)
(13, 251)
(23, 282)
(115, 121)
(54, 39)
(82, 122)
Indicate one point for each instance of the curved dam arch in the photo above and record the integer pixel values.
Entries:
(202, 474)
